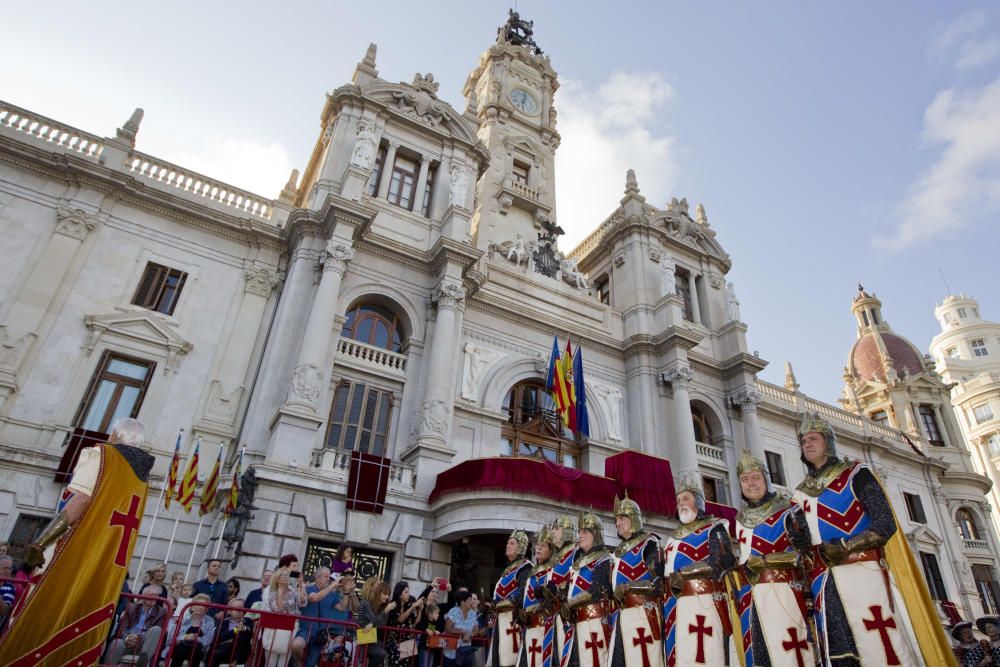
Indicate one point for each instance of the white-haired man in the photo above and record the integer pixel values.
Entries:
(92, 538)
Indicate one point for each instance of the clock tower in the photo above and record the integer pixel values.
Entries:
(509, 95)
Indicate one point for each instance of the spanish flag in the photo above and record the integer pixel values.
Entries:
(185, 492)
(555, 382)
(569, 417)
(175, 465)
(208, 493)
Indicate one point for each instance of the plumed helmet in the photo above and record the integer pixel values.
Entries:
(592, 523)
(628, 507)
(569, 530)
(691, 481)
(521, 538)
(813, 422)
(544, 536)
(748, 463)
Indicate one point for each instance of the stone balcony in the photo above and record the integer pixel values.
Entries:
(710, 454)
(365, 357)
(976, 546)
(337, 462)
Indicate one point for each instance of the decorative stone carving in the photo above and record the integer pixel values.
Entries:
(546, 257)
(337, 257)
(422, 102)
(732, 303)
(74, 223)
(450, 297)
(12, 351)
(553, 117)
(571, 273)
(477, 360)
(655, 255)
(434, 417)
(619, 261)
(679, 376)
(261, 281)
(305, 384)
(222, 406)
(668, 279)
(631, 184)
(747, 399)
(699, 215)
(517, 251)
(505, 200)
(364, 148)
(458, 188)
(128, 131)
(610, 399)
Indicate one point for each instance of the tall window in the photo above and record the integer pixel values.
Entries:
(359, 418)
(776, 467)
(951, 353)
(520, 172)
(962, 313)
(864, 316)
(982, 413)
(25, 531)
(404, 174)
(986, 584)
(376, 176)
(425, 205)
(159, 288)
(994, 443)
(375, 325)
(117, 390)
(683, 288)
(914, 508)
(979, 348)
(715, 490)
(966, 524)
(533, 427)
(702, 429)
(874, 316)
(930, 425)
(603, 288)
(932, 573)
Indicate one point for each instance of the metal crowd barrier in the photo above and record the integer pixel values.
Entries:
(131, 656)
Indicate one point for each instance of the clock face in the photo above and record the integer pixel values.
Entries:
(523, 101)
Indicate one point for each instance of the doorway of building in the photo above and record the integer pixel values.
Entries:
(477, 562)
(367, 562)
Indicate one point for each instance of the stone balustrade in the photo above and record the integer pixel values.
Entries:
(524, 191)
(183, 181)
(371, 358)
(402, 477)
(55, 135)
(710, 452)
(976, 545)
(976, 383)
(588, 244)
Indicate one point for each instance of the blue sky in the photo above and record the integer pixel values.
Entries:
(830, 143)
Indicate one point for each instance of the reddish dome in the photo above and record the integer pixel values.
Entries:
(868, 362)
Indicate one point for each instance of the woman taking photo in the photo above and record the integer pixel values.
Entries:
(461, 620)
(372, 612)
(402, 646)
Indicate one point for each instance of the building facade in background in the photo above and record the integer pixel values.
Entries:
(378, 338)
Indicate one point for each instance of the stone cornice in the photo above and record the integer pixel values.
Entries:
(447, 250)
(677, 336)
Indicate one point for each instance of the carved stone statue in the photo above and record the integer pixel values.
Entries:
(668, 279)
(364, 148)
(459, 186)
(699, 215)
(732, 303)
(517, 251)
(571, 273)
(477, 359)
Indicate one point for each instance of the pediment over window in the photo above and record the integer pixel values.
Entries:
(142, 331)
(922, 535)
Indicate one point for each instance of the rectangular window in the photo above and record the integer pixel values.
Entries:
(683, 288)
(520, 172)
(373, 181)
(776, 467)
(864, 316)
(982, 413)
(880, 416)
(117, 390)
(914, 508)
(359, 418)
(930, 425)
(961, 313)
(987, 586)
(404, 174)
(994, 443)
(935, 583)
(425, 206)
(715, 490)
(159, 288)
(951, 353)
(603, 288)
(26, 530)
(979, 348)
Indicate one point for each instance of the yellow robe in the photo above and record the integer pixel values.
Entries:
(67, 614)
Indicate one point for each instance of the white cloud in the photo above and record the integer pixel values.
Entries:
(976, 52)
(966, 24)
(258, 167)
(962, 43)
(964, 182)
(605, 132)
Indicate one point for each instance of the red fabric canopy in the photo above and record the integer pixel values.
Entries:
(647, 479)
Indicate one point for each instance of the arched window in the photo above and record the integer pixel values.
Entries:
(534, 429)
(967, 524)
(702, 429)
(375, 325)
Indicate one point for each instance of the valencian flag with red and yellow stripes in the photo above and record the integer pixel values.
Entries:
(175, 465)
(555, 382)
(185, 492)
(209, 492)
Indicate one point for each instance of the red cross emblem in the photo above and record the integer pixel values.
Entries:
(641, 642)
(595, 643)
(702, 631)
(795, 644)
(534, 649)
(882, 625)
(130, 524)
(514, 634)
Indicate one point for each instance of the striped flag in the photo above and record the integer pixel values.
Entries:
(185, 492)
(175, 464)
(555, 382)
(211, 487)
(582, 415)
(569, 417)
(234, 489)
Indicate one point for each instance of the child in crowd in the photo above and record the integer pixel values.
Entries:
(187, 594)
(428, 627)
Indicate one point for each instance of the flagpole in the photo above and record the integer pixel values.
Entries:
(201, 505)
(156, 512)
(173, 533)
(225, 520)
(193, 546)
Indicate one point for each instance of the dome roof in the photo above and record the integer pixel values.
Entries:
(867, 361)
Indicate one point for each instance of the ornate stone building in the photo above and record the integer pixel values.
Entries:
(378, 338)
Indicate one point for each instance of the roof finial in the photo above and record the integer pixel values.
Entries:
(365, 70)
(791, 384)
(128, 131)
(631, 184)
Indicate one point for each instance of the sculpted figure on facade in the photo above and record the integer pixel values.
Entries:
(668, 279)
(305, 385)
(458, 190)
(478, 358)
(732, 303)
(434, 418)
(364, 148)
(610, 399)
(571, 273)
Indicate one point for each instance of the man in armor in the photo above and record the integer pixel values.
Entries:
(507, 599)
(698, 554)
(771, 532)
(637, 582)
(564, 540)
(538, 614)
(870, 596)
(588, 598)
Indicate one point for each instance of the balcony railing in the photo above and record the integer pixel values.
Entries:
(54, 134)
(976, 545)
(710, 452)
(371, 358)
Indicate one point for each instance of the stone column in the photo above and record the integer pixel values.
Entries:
(695, 304)
(434, 425)
(386, 176)
(293, 430)
(685, 453)
(748, 400)
(418, 195)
